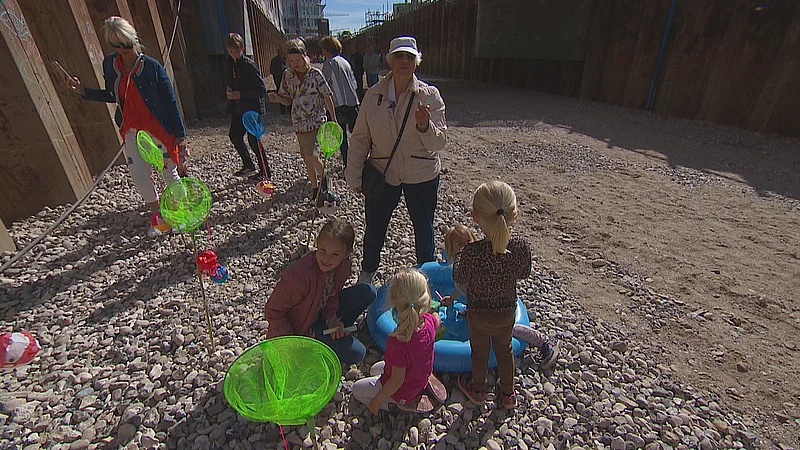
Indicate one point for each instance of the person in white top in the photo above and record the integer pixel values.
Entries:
(342, 81)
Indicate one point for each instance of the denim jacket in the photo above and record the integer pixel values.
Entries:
(154, 86)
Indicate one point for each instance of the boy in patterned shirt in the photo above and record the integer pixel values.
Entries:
(305, 89)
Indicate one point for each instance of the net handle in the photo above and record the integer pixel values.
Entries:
(312, 430)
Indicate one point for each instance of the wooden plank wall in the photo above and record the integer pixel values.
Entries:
(41, 162)
(734, 62)
(445, 32)
(266, 39)
(77, 48)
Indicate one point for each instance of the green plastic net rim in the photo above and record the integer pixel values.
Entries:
(148, 149)
(329, 137)
(284, 380)
(185, 204)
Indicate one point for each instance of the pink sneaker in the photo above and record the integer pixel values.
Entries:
(509, 400)
(466, 386)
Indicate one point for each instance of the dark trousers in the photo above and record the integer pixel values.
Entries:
(359, 80)
(277, 80)
(421, 203)
(352, 302)
(236, 134)
(346, 117)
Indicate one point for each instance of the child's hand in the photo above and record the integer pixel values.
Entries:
(273, 97)
(335, 322)
(446, 300)
(374, 406)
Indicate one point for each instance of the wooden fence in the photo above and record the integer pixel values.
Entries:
(735, 62)
(52, 142)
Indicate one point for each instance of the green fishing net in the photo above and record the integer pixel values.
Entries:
(148, 149)
(284, 380)
(185, 204)
(329, 138)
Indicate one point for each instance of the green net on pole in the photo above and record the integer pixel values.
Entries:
(284, 380)
(329, 138)
(148, 149)
(185, 204)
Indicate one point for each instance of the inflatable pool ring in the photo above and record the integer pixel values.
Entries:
(452, 352)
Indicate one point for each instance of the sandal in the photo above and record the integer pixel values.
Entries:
(421, 405)
(436, 388)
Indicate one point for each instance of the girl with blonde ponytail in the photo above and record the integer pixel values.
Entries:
(407, 368)
(487, 271)
(494, 207)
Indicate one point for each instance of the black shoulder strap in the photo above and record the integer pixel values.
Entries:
(400, 135)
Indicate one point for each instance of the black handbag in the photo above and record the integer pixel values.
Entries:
(373, 181)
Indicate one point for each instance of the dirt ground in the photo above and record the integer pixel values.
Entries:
(706, 217)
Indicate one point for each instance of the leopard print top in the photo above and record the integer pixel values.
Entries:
(491, 280)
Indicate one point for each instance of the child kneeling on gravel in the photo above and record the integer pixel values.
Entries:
(407, 369)
(308, 300)
(487, 271)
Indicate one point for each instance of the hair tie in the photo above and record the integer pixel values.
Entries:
(500, 212)
(411, 305)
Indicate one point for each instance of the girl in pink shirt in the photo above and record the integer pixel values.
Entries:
(407, 368)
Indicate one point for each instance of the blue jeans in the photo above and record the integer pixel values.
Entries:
(421, 203)
(352, 302)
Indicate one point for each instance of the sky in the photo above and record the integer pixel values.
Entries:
(355, 10)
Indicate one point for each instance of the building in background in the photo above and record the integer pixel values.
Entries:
(302, 17)
(402, 8)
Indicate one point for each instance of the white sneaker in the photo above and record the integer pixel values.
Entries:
(365, 278)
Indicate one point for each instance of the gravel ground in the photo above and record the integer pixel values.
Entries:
(125, 361)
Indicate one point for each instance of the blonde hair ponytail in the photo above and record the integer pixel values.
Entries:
(496, 205)
(408, 293)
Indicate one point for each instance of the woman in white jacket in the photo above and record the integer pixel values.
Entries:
(407, 155)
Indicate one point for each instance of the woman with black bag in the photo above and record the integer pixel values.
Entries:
(394, 151)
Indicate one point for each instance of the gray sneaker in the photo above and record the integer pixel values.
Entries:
(549, 351)
(365, 278)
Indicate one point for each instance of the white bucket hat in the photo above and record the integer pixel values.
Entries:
(404, 44)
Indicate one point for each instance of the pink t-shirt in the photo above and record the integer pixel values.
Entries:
(416, 356)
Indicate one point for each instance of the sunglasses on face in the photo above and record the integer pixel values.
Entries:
(404, 55)
(122, 45)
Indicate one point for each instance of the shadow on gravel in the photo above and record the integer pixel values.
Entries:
(769, 163)
(86, 261)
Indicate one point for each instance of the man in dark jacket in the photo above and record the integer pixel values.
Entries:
(357, 61)
(276, 67)
(246, 92)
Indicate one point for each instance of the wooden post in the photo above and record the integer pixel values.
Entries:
(151, 35)
(40, 160)
(177, 58)
(63, 31)
(6, 242)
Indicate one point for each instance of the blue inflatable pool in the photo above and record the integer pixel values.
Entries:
(452, 352)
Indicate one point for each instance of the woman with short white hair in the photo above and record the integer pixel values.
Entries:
(394, 150)
(145, 101)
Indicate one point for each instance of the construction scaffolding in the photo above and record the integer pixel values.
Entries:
(376, 18)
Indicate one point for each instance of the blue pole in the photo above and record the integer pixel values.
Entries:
(222, 22)
(660, 58)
